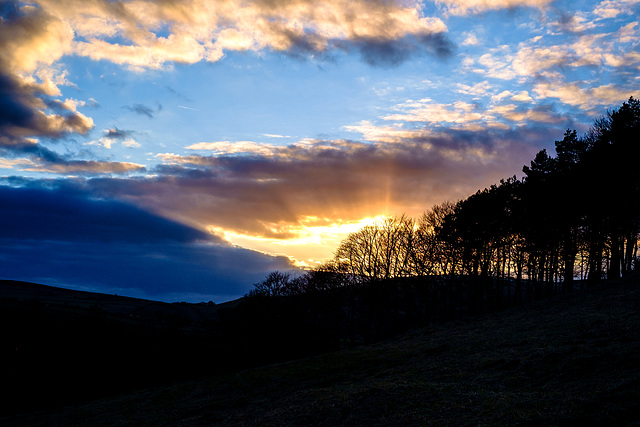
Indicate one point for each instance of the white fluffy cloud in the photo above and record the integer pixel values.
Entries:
(613, 8)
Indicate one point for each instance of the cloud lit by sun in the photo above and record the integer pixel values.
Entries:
(313, 241)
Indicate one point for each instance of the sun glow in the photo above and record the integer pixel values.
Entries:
(314, 239)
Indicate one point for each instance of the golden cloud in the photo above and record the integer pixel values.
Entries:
(585, 98)
(34, 39)
(154, 33)
(87, 167)
(12, 163)
(31, 41)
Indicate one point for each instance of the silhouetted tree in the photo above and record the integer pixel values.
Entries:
(275, 284)
(379, 251)
(573, 215)
(432, 255)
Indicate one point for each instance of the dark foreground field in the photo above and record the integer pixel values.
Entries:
(572, 360)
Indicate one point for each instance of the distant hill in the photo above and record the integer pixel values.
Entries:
(96, 344)
(570, 360)
(52, 296)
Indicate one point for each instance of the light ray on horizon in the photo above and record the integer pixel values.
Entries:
(312, 245)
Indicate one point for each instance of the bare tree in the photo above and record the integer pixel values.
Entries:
(379, 251)
(276, 284)
(430, 254)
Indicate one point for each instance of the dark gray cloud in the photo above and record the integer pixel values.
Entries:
(169, 272)
(64, 236)
(119, 134)
(376, 52)
(13, 108)
(67, 215)
(20, 115)
(390, 53)
(46, 160)
(144, 110)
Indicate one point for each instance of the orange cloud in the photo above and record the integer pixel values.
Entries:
(272, 196)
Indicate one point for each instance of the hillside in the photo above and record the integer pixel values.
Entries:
(565, 361)
(95, 344)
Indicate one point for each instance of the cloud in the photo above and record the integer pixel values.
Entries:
(149, 34)
(541, 54)
(240, 147)
(86, 167)
(470, 40)
(67, 237)
(600, 50)
(612, 8)
(479, 89)
(130, 143)
(271, 195)
(118, 134)
(41, 159)
(142, 110)
(146, 34)
(31, 40)
(586, 98)
(271, 135)
(522, 96)
(111, 136)
(555, 66)
(389, 53)
(68, 215)
(30, 37)
(22, 112)
(574, 23)
(427, 111)
(497, 64)
(464, 7)
(12, 163)
(542, 114)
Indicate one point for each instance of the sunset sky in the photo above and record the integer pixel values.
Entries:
(181, 150)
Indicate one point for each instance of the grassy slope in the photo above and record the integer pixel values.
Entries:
(575, 359)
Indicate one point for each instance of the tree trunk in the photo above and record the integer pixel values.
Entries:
(614, 260)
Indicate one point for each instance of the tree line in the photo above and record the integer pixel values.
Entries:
(572, 216)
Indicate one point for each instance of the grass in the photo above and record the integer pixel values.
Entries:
(570, 360)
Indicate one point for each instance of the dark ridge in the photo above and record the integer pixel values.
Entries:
(567, 360)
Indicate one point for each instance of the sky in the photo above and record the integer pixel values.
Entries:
(181, 150)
